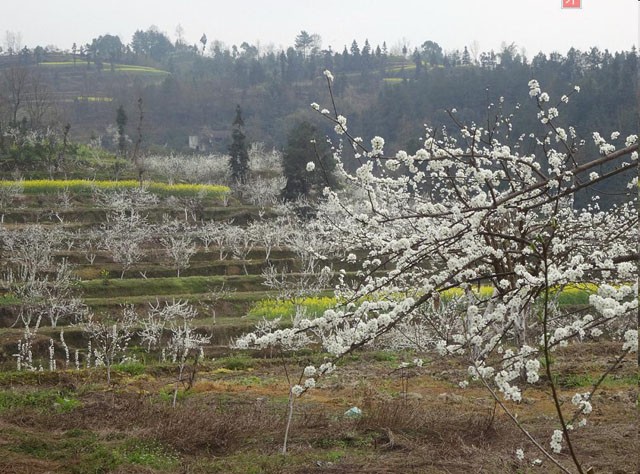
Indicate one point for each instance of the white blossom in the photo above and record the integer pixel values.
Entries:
(630, 340)
(377, 144)
(556, 441)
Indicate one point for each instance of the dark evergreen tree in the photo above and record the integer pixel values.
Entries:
(121, 122)
(417, 60)
(466, 57)
(239, 162)
(366, 49)
(355, 49)
(303, 146)
(432, 53)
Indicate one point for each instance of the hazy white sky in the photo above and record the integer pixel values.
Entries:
(536, 25)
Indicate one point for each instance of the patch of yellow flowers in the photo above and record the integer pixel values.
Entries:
(577, 294)
(82, 185)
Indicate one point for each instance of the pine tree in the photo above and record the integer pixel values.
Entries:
(121, 122)
(466, 57)
(239, 161)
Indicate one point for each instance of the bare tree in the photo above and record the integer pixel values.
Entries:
(180, 249)
(243, 243)
(110, 337)
(15, 81)
(38, 101)
(8, 193)
(183, 344)
(124, 235)
(13, 42)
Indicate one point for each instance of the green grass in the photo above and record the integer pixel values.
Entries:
(237, 362)
(131, 368)
(43, 400)
(612, 381)
(107, 67)
(94, 98)
(8, 299)
(140, 69)
(167, 286)
(59, 63)
(252, 462)
(146, 453)
(83, 452)
(396, 69)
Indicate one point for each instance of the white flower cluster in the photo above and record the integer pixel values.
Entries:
(581, 400)
(556, 441)
(311, 166)
(341, 125)
(533, 367)
(534, 88)
(630, 340)
(612, 302)
(377, 145)
(604, 147)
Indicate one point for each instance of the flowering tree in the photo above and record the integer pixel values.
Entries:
(220, 233)
(178, 245)
(124, 235)
(8, 193)
(262, 191)
(126, 229)
(110, 337)
(184, 341)
(244, 241)
(45, 287)
(478, 207)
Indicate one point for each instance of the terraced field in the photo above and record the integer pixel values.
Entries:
(152, 278)
(229, 414)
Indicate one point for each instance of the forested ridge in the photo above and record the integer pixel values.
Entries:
(193, 90)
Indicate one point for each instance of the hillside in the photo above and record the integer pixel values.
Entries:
(185, 93)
